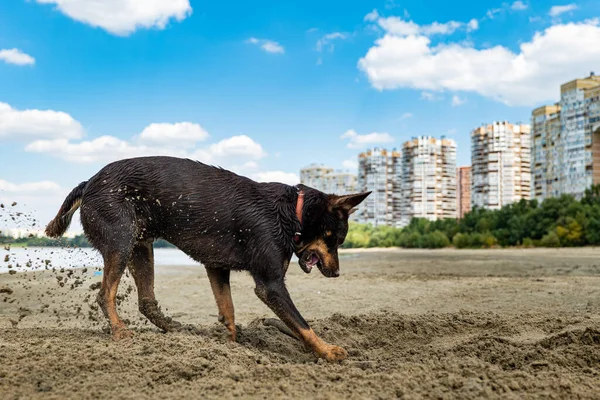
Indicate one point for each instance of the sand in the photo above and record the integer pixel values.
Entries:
(416, 323)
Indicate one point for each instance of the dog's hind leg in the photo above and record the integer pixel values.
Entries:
(219, 282)
(141, 267)
(115, 263)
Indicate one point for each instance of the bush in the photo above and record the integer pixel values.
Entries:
(358, 236)
(435, 240)
(474, 240)
(550, 240)
(528, 243)
(413, 240)
(461, 241)
(488, 240)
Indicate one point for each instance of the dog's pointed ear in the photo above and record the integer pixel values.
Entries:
(348, 202)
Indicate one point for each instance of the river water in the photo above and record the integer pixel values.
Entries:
(36, 258)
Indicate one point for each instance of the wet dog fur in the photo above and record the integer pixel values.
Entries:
(220, 219)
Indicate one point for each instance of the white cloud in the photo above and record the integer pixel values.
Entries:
(288, 178)
(350, 164)
(230, 151)
(101, 149)
(592, 21)
(405, 115)
(123, 17)
(457, 101)
(250, 165)
(491, 14)
(431, 96)
(328, 39)
(357, 141)
(29, 187)
(270, 46)
(555, 11)
(16, 56)
(403, 27)
(35, 124)
(452, 131)
(519, 6)
(526, 78)
(398, 26)
(437, 28)
(372, 16)
(38, 201)
(472, 25)
(238, 146)
(185, 133)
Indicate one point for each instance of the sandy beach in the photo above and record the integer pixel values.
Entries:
(416, 323)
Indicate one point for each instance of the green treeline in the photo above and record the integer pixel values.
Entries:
(555, 222)
(36, 241)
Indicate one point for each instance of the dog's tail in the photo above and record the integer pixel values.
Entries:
(58, 226)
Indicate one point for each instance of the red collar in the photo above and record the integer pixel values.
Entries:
(299, 206)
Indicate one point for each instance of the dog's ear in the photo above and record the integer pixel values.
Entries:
(348, 202)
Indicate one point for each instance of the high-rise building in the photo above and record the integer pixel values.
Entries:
(566, 142)
(340, 182)
(575, 174)
(380, 171)
(327, 180)
(428, 179)
(501, 164)
(315, 176)
(546, 151)
(463, 191)
(592, 133)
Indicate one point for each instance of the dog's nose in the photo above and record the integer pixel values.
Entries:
(335, 274)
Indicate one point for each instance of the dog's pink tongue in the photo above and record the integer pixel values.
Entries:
(308, 266)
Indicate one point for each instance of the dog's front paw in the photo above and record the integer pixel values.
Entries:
(333, 353)
(121, 333)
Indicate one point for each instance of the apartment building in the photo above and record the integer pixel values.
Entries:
(463, 191)
(575, 172)
(315, 176)
(547, 151)
(327, 180)
(501, 164)
(566, 147)
(592, 134)
(380, 171)
(340, 182)
(428, 179)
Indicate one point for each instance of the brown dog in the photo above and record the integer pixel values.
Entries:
(220, 219)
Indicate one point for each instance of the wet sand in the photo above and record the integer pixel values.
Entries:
(416, 323)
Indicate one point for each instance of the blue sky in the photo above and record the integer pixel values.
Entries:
(265, 88)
